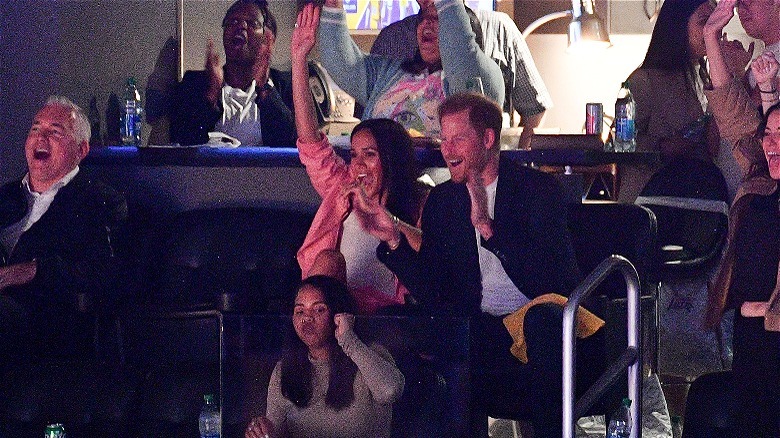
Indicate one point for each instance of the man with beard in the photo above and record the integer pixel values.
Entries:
(245, 98)
(494, 238)
(58, 235)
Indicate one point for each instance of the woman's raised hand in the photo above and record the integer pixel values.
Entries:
(765, 69)
(304, 35)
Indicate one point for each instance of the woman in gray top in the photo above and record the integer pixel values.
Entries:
(328, 383)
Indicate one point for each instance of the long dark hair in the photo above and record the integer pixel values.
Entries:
(399, 167)
(296, 368)
(670, 48)
(718, 288)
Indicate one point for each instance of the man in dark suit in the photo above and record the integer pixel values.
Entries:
(494, 237)
(58, 236)
(245, 98)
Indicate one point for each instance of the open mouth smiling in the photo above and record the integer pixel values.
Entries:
(41, 154)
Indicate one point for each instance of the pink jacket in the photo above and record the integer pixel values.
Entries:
(328, 174)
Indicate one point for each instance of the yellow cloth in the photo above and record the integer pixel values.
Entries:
(587, 323)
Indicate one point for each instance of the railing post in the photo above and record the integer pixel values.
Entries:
(582, 291)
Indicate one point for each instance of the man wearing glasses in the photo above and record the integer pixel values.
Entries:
(243, 98)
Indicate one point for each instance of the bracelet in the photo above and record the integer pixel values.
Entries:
(395, 220)
(772, 91)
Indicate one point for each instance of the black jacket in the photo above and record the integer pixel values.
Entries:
(530, 238)
(193, 117)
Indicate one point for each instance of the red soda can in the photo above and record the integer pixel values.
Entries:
(594, 118)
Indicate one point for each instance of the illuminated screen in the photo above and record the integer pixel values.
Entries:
(376, 14)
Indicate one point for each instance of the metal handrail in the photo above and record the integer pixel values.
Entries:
(629, 358)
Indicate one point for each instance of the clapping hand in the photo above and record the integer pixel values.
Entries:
(214, 73)
(480, 217)
(737, 58)
(373, 217)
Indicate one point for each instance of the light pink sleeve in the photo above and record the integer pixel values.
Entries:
(325, 168)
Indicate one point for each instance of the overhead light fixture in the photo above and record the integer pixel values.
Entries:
(586, 30)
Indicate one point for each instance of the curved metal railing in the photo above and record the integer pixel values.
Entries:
(628, 359)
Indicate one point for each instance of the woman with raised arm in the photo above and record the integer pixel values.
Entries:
(671, 109)
(328, 382)
(448, 61)
(382, 169)
(747, 280)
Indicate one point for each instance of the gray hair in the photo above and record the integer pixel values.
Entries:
(81, 128)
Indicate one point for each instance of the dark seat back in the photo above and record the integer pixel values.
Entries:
(601, 229)
(710, 406)
(689, 238)
(233, 259)
(179, 355)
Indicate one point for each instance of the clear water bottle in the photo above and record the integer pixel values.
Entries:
(676, 427)
(131, 116)
(210, 420)
(624, 139)
(620, 422)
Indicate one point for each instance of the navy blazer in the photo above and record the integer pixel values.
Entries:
(193, 117)
(76, 243)
(530, 238)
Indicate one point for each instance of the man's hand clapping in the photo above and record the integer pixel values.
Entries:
(214, 72)
(480, 217)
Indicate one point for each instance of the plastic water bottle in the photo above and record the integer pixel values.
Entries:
(620, 422)
(131, 117)
(210, 420)
(625, 116)
(676, 427)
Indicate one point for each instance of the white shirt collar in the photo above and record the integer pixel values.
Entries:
(54, 187)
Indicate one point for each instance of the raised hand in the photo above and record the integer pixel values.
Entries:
(344, 323)
(720, 17)
(765, 69)
(214, 73)
(259, 427)
(373, 217)
(304, 35)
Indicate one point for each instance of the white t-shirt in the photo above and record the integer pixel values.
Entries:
(500, 296)
(364, 270)
(241, 115)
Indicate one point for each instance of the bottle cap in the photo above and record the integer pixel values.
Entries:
(627, 402)
(208, 398)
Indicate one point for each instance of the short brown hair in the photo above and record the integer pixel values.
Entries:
(483, 112)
